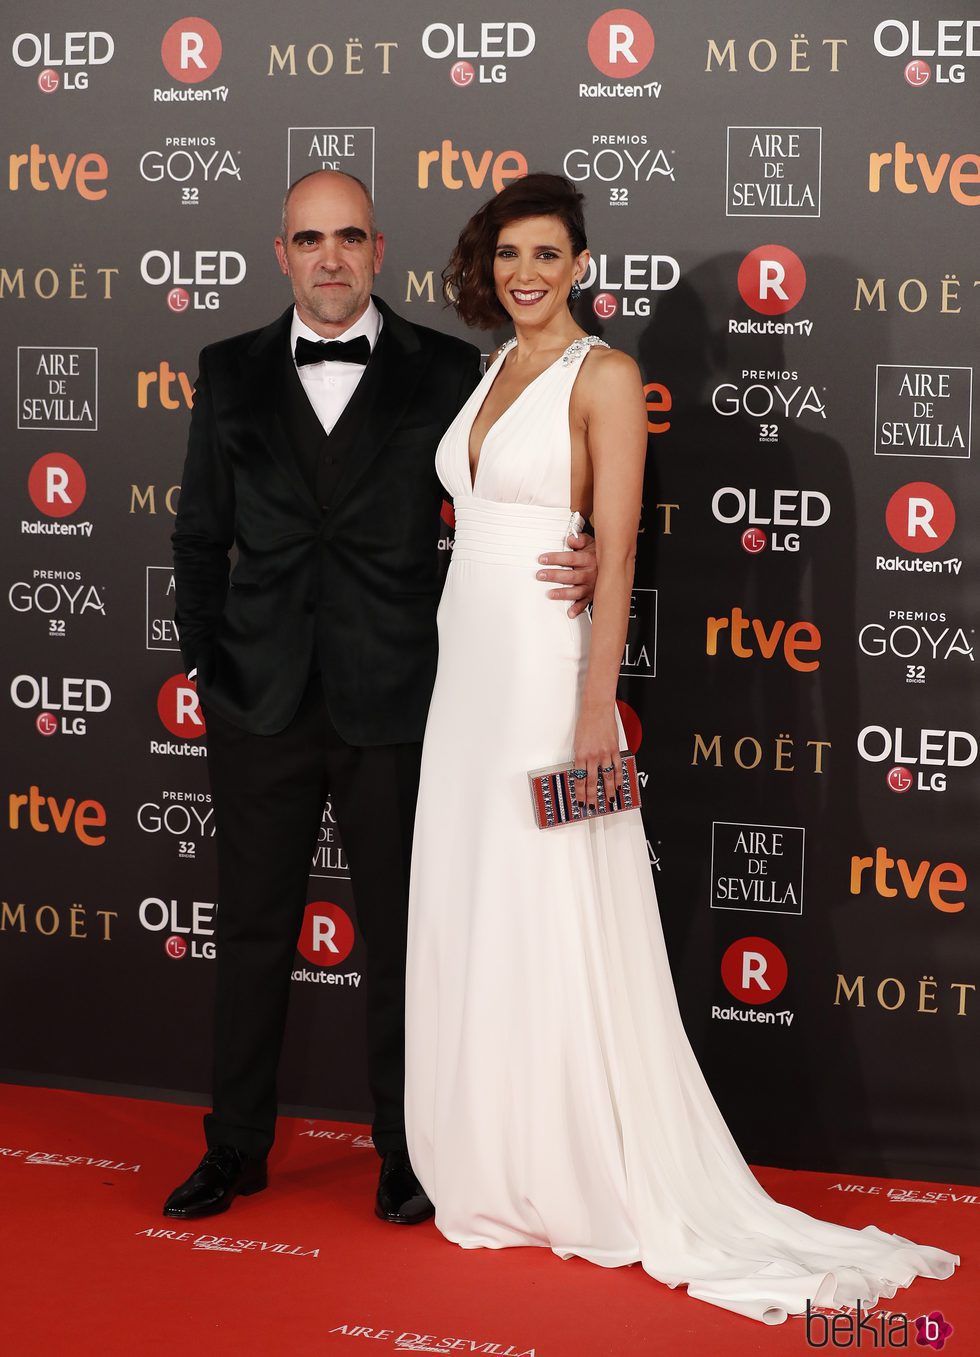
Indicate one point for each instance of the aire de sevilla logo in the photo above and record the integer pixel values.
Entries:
(920, 517)
(56, 485)
(754, 970)
(771, 280)
(191, 50)
(621, 43)
(179, 708)
(327, 936)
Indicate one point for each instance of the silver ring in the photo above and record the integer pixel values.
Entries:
(611, 769)
(579, 774)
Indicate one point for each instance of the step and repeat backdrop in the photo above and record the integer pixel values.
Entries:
(782, 205)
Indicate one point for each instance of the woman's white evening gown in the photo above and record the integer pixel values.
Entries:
(552, 1097)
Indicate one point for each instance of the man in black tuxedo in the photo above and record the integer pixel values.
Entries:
(311, 450)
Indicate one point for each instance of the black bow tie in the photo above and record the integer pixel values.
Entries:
(333, 351)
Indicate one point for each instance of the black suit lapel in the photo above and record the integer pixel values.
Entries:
(266, 369)
(400, 362)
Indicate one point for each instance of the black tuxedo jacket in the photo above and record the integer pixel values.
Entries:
(337, 562)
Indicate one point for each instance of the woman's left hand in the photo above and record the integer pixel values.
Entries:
(597, 751)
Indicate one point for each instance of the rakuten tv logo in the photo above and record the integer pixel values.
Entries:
(771, 280)
(920, 517)
(621, 43)
(327, 935)
(56, 485)
(179, 708)
(191, 50)
(754, 970)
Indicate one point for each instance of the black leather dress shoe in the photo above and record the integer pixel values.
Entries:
(222, 1175)
(401, 1197)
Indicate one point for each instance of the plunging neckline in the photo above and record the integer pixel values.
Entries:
(502, 358)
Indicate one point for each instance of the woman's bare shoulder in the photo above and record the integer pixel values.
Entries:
(610, 371)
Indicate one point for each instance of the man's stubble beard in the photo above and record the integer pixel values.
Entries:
(335, 309)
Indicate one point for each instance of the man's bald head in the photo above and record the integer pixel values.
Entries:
(327, 175)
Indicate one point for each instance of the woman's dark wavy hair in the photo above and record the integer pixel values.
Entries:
(467, 280)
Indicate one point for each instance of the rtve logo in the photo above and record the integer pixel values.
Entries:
(750, 636)
(771, 279)
(56, 485)
(327, 935)
(891, 877)
(163, 381)
(502, 166)
(909, 170)
(754, 970)
(621, 43)
(47, 169)
(43, 813)
(191, 50)
(920, 517)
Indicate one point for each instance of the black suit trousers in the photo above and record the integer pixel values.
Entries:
(269, 792)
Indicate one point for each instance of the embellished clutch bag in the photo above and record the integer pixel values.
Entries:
(553, 794)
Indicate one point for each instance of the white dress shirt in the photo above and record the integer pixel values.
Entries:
(330, 386)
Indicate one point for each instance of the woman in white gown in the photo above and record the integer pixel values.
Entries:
(552, 1097)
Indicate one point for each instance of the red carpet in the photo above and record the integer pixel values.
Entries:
(90, 1268)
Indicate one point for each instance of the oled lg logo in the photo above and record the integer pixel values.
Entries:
(73, 53)
(920, 518)
(202, 271)
(949, 38)
(620, 46)
(490, 45)
(63, 705)
(929, 752)
(777, 510)
(189, 930)
(635, 276)
(191, 53)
